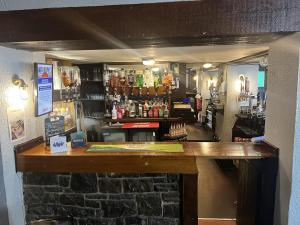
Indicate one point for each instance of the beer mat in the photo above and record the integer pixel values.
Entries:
(172, 148)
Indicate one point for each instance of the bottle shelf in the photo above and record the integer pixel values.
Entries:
(86, 99)
(94, 117)
(96, 81)
(140, 119)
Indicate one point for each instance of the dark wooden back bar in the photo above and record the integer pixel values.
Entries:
(257, 171)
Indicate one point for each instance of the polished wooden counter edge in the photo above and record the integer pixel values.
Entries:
(39, 158)
(217, 150)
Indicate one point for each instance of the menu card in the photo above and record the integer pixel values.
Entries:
(54, 126)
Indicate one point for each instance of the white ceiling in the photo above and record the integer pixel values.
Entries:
(191, 54)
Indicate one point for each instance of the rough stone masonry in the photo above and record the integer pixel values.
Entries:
(103, 199)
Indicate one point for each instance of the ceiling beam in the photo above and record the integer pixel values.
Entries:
(150, 25)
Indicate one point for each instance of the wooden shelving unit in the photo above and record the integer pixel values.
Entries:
(91, 76)
(99, 100)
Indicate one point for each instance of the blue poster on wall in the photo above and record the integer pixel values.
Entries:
(44, 88)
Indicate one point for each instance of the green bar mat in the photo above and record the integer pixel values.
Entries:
(137, 147)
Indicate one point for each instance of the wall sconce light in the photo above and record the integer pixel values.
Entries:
(23, 93)
(17, 95)
(211, 84)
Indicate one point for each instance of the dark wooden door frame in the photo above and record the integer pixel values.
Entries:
(150, 25)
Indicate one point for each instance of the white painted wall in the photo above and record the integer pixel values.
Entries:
(224, 123)
(21, 63)
(294, 214)
(38, 4)
(280, 119)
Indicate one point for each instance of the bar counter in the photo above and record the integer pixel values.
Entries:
(257, 175)
(40, 159)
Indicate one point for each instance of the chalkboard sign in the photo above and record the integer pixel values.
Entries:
(54, 126)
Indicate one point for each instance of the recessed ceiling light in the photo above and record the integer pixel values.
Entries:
(148, 61)
(207, 65)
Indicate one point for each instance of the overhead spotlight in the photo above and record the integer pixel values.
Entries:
(155, 69)
(207, 65)
(148, 61)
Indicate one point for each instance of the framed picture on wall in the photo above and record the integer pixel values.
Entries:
(43, 88)
(16, 124)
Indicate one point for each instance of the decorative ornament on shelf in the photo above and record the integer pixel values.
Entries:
(263, 62)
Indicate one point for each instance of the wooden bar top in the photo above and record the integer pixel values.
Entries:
(40, 159)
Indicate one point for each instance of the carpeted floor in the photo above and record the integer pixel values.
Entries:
(217, 190)
(217, 187)
(216, 222)
(198, 133)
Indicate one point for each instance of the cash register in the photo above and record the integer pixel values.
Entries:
(183, 110)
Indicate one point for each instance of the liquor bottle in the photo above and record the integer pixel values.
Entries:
(140, 110)
(150, 113)
(177, 82)
(122, 78)
(132, 111)
(177, 129)
(139, 79)
(156, 78)
(131, 78)
(119, 113)
(106, 78)
(127, 109)
(148, 78)
(146, 105)
(145, 113)
(173, 82)
(155, 112)
(146, 108)
(166, 111)
(114, 113)
(115, 79)
(171, 132)
(161, 111)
